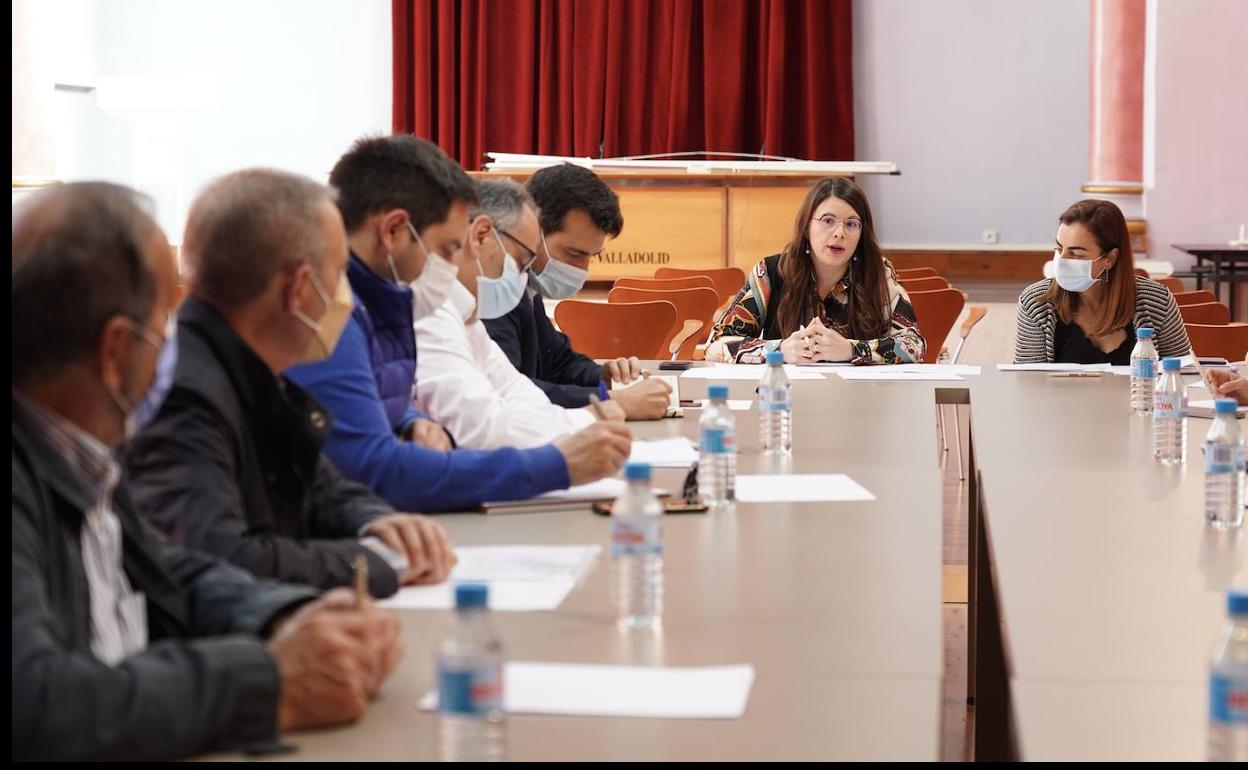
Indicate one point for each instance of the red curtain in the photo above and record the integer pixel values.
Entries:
(605, 78)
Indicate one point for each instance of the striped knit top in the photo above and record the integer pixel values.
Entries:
(1154, 307)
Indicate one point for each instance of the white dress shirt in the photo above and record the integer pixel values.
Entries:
(466, 383)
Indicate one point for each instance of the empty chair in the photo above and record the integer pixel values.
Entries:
(1227, 342)
(923, 284)
(603, 330)
(696, 305)
(690, 282)
(909, 273)
(1212, 313)
(1194, 297)
(1175, 285)
(936, 312)
(727, 280)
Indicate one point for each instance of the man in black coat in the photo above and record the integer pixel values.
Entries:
(123, 648)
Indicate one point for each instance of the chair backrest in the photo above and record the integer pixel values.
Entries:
(727, 280)
(1175, 285)
(917, 272)
(1227, 342)
(1205, 313)
(697, 304)
(689, 282)
(923, 284)
(936, 311)
(603, 330)
(1193, 297)
(1141, 272)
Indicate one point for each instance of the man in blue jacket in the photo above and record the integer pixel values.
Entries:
(405, 206)
(577, 212)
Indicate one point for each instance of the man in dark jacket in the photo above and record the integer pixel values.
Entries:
(125, 649)
(578, 211)
(232, 464)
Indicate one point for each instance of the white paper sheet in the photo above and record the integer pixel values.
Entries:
(890, 373)
(678, 452)
(514, 596)
(800, 488)
(486, 563)
(703, 692)
(1054, 368)
(963, 370)
(750, 372)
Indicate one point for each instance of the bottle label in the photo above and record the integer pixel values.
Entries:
(774, 399)
(1228, 700)
(476, 692)
(1144, 367)
(637, 538)
(1169, 406)
(717, 440)
(1223, 458)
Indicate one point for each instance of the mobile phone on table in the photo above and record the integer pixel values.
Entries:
(670, 505)
(675, 366)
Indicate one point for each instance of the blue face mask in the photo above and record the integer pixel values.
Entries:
(148, 407)
(558, 280)
(496, 297)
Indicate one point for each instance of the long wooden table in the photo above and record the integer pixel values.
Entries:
(1096, 591)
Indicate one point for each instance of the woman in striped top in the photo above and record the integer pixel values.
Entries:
(1089, 311)
(829, 296)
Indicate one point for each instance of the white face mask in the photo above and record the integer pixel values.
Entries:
(496, 297)
(558, 280)
(1074, 274)
(433, 286)
(138, 415)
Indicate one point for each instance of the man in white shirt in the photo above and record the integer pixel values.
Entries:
(464, 381)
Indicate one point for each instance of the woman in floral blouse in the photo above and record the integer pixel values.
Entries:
(829, 296)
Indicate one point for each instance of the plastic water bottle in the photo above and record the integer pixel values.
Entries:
(717, 459)
(1143, 371)
(1228, 685)
(1170, 415)
(470, 682)
(637, 551)
(775, 407)
(1224, 468)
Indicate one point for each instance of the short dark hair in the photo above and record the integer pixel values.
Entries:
(399, 172)
(248, 226)
(504, 200)
(79, 259)
(565, 187)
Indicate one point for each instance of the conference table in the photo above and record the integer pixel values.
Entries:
(1096, 591)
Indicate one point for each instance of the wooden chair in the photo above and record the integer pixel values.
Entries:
(1194, 297)
(1175, 285)
(697, 305)
(936, 311)
(603, 330)
(909, 273)
(727, 280)
(1211, 313)
(1229, 341)
(691, 282)
(1141, 272)
(923, 284)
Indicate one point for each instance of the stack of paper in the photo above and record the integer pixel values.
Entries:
(521, 577)
(702, 692)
